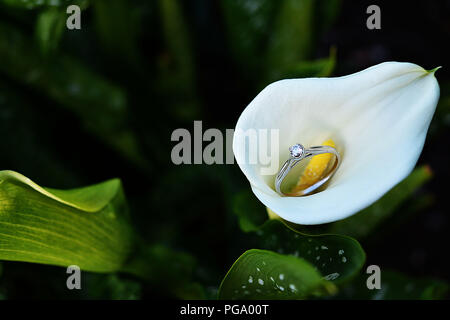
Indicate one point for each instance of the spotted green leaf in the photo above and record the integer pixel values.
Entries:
(336, 257)
(263, 274)
(88, 227)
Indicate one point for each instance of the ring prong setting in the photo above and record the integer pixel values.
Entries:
(297, 151)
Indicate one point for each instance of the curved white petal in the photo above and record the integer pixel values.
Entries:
(378, 118)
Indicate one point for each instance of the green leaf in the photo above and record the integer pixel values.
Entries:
(88, 227)
(50, 26)
(262, 274)
(396, 286)
(337, 257)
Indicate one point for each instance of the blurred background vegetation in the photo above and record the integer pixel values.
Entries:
(82, 106)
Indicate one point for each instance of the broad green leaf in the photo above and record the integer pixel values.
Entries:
(337, 258)
(88, 227)
(50, 26)
(263, 274)
(396, 286)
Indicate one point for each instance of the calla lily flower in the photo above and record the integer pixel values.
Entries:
(378, 119)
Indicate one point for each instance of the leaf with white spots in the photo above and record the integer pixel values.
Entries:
(336, 257)
(279, 277)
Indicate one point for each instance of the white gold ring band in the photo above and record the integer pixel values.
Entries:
(298, 154)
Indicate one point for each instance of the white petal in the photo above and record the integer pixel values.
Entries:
(378, 118)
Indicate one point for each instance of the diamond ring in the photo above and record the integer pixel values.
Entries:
(298, 154)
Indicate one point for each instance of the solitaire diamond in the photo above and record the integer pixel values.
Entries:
(297, 150)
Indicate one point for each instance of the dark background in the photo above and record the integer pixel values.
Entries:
(56, 143)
